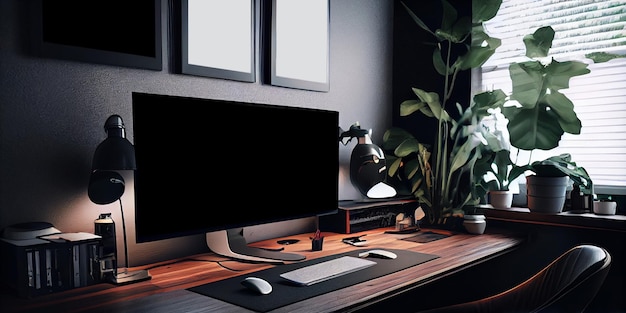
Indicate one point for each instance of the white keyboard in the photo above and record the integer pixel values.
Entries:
(326, 270)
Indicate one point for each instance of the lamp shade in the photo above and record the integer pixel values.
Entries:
(115, 152)
(105, 187)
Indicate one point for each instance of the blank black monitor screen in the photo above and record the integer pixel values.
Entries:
(205, 165)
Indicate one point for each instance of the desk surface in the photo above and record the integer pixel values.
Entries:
(166, 291)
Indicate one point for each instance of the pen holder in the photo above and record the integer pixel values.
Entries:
(316, 244)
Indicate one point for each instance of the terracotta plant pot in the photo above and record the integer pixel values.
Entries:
(546, 194)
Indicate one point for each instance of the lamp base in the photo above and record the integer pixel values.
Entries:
(129, 277)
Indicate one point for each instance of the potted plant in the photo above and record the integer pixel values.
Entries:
(547, 186)
(442, 176)
(449, 175)
(500, 170)
(539, 116)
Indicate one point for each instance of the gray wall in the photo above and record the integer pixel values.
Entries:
(52, 114)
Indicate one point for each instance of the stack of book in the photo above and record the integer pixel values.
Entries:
(50, 263)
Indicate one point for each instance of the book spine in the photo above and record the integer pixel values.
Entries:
(37, 267)
(49, 279)
(76, 265)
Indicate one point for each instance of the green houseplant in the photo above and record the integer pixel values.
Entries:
(449, 175)
(500, 171)
(540, 115)
(442, 176)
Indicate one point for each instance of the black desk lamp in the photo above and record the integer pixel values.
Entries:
(368, 168)
(107, 186)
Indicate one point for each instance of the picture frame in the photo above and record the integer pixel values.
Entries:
(216, 39)
(297, 44)
(121, 33)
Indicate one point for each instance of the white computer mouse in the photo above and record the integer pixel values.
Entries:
(257, 285)
(378, 253)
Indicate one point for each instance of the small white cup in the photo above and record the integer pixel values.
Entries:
(604, 207)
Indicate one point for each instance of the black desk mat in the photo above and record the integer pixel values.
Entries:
(284, 293)
(424, 237)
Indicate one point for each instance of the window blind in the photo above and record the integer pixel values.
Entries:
(581, 26)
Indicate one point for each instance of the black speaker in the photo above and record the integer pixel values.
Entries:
(105, 187)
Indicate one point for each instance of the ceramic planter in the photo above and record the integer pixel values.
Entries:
(501, 199)
(546, 194)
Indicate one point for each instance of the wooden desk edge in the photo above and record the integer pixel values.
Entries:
(167, 289)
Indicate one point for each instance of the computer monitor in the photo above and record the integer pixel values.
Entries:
(214, 166)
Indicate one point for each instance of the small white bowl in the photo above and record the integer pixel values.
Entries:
(604, 207)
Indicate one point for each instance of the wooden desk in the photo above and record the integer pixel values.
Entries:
(166, 291)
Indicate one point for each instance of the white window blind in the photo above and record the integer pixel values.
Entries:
(581, 26)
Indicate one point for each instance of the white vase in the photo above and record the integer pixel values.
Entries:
(501, 199)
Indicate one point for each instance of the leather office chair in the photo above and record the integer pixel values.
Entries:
(567, 284)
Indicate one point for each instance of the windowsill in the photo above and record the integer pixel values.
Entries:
(567, 219)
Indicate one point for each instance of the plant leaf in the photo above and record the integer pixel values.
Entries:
(488, 100)
(393, 164)
(527, 78)
(411, 168)
(539, 43)
(434, 106)
(533, 129)
(408, 107)
(476, 56)
(410, 145)
(461, 29)
(484, 10)
(601, 57)
(564, 109)
(438, 63)
(393, 137)
(558, 74)
(417, 20)
(448, 19)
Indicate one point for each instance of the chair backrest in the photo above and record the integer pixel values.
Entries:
(573, 280)
(567, 284)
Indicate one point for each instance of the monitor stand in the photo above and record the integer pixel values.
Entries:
(231, 243)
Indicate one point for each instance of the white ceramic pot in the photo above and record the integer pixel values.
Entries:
(604, 207)
(501, 199)
(475, 224)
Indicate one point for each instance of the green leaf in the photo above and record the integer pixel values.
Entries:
(488, 100)
(558, 74)
(601, 57)
(439, 63)
(476, 56)
(461, 29)
(434, 106)
(448, 19)
(533, 129)
(417, 20)
(408, 107)
(464, 153)
(484, 10)
(407, 147)
(560, 165)
(527, 78)
(393, 165)
(393, 137)
(411, 168)
(564, 109)
(539, 43)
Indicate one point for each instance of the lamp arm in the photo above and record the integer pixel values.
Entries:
(124, 235)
